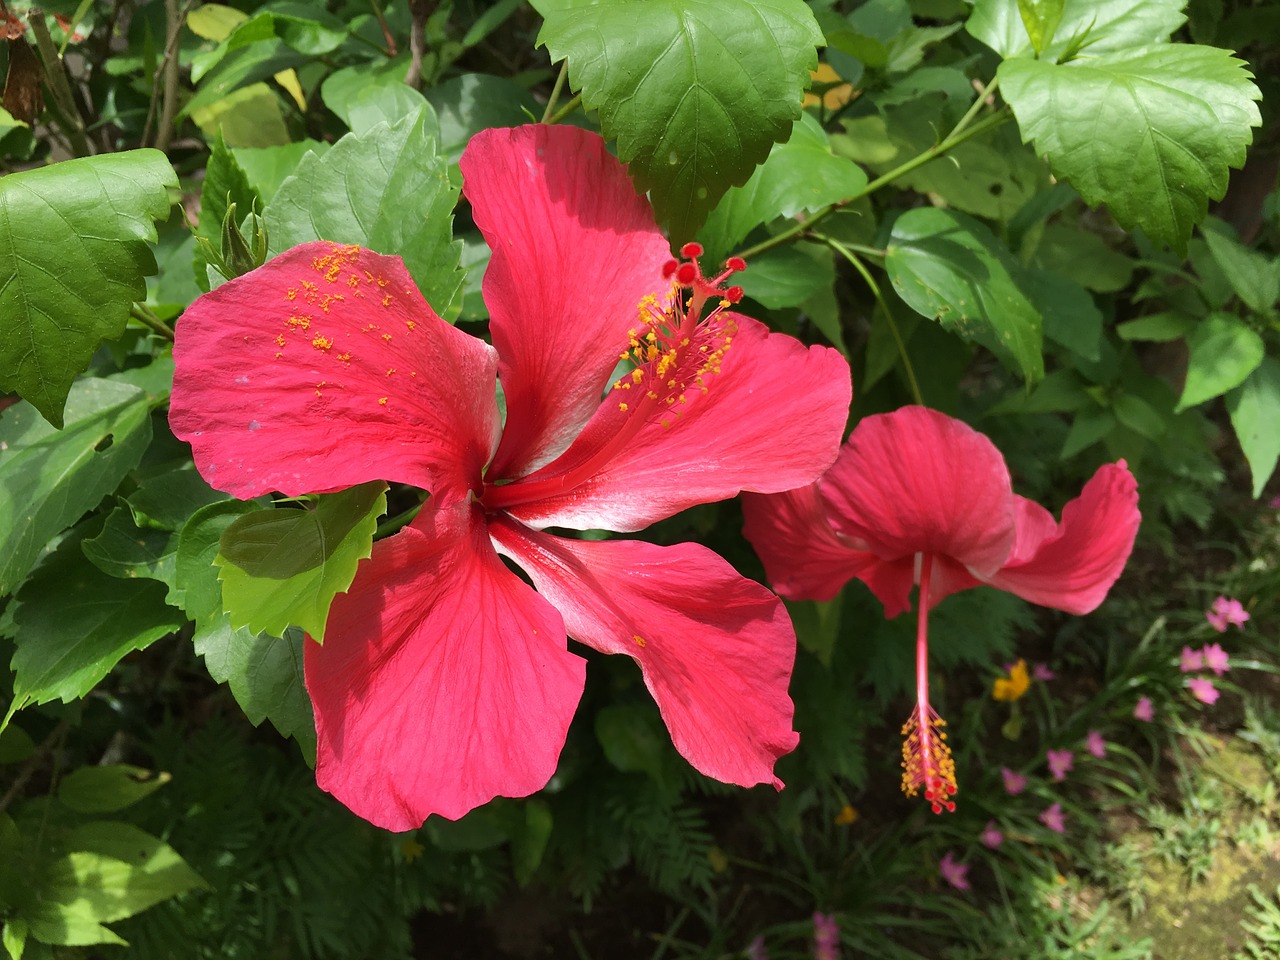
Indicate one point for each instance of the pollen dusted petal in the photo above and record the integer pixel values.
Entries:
(282, 382)
(917, 481)
(574, 250)
(1070, 566)
(715, 649)
(769, 421)
(444, 680)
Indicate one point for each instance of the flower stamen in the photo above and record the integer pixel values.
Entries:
(926, 757)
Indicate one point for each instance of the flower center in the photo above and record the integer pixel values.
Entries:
(675, 350)
(926, 757)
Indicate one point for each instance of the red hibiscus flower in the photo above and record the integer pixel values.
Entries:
(445, 679)
(919, 497)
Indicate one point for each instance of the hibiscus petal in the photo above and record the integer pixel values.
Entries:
(770, 421)
(1070, 566)
(804, 558)
(715, 649)
(326, 368)
(917, 481)
(574, 250)
(444, 680)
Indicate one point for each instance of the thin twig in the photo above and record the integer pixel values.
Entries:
(555, 90)
(420, 10)
(149, 319)
(169, 104)
(66, 112)
(858, 265)
(386, 29)
(574, 102)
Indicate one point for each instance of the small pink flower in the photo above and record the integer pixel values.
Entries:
(1014, 782)
(1227, 610)
(1215, 658)
(991, 836)
(1275, 503)
(1054, 819)
(1042, 673)
(1060, 762)
(1192, 660)
(1143, 710)
(956, 874)
(826, 936)
(1204, 690)
(755, 949)
(1094, 743)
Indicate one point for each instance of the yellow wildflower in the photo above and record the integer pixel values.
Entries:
(1013, 686)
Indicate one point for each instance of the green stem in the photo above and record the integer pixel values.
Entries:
(950, 142)
(858, 265)
(390, 50)
(149, 319)
(398, 522)
(169, 93)
(555, 91)
(567, 109)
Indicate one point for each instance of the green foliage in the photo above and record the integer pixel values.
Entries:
(72, 257)
(695, 92)
(283, 567)
(396, 196)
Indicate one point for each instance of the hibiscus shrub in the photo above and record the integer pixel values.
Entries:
(378, 370)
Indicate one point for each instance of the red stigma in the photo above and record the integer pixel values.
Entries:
(691, 250)
(736, 264)
(686, 273)
(668, 269)
(733, 294)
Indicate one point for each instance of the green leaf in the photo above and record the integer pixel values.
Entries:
(16, 745)
(1106, 25)
(1071, 318)
(225, 183)
(472, 102)
(196, 586)
(1255, 278)
(366, 95)
(1223, 352)
(264, 674)
(165, 501)
(817, 625)
(248, 116)
(694, 91)
(114, 871)
(125, 550)
(801, 174)
(788, 276)
(1088, 427)
(1254, 407)
(13, 937)
(1150, 132)
(1139, 416)
(1083, 257)
(74, 623)
(268, 167)
(1041, 18)
(529, 844)
(389, 191)
(283, 567)
(1157, 327)
(49, 479)
(950, 267)
(73, 254)
(632, 738)
(109, 788)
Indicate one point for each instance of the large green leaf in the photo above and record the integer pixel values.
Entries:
(1108, 25)
(694, 91)
(801, 174)
(123, 549)
(108, 788)
(472, 102)
(73, 254)
(388, 190)
(1254, 277)
(73, 623)
(950, 267)
(264, 674)
(283, 567)
(48, 479)
(1222, 351)
(1150, 132)
(114, 871)
(1255, 414)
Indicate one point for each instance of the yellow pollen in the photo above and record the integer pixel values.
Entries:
(410, 324)
(640, 641)
(386, 337)
(386, 300)
(637, 375)
(353, 281)
(322, 343)
(300, 323)
(382, 401)
(622, 407)
(927, 762)
(279, 339)
(391, 371)
(291, 294)
(345, 357)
